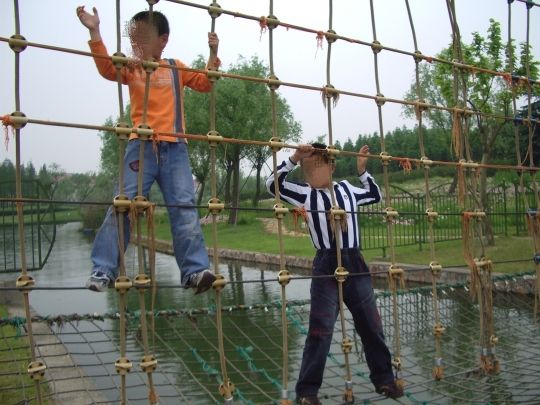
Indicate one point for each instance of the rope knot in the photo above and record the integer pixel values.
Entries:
(507, 77)
(406, 164)
(342, 221)
(7, 122)
(299, 212)
(134, 63)
(263, 23)
(320, 37)
(471, 71)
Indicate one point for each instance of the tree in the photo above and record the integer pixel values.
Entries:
(83, 185)
(243, 111)
(487, 93)
(7, 174)
(28, 172)
(110, 151)
(51, 177)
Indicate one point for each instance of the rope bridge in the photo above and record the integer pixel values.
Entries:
(421, 326)
(186, 343)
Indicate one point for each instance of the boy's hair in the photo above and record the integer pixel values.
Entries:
(158, 20)
(323, 156)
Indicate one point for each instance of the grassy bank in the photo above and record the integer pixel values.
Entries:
(14, 360)
(249, 236)
(45, 218)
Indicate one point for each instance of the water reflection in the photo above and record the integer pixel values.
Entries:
(186, 346)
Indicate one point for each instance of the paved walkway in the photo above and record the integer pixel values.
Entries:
(65, 377)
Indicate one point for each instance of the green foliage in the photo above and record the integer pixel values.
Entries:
(486, 92)
(400, 142)
(243, 110)
(110, 150)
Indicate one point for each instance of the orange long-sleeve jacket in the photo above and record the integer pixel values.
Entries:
(165, 113)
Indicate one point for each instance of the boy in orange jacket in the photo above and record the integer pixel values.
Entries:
(168, 164)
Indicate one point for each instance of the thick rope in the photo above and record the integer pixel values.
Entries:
(24, 279)
(284, 275)
(394, 274)
(226, 388)
(431, 216)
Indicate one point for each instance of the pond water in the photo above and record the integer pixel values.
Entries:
(186, 346)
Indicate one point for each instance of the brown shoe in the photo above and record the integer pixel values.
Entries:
(391, 390)
(202, 281)
(308, 401)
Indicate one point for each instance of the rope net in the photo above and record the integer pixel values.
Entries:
(186, 347)
(423, 325)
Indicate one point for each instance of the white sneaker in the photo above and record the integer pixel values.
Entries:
(98, 281)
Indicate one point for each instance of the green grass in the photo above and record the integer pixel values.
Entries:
(451, 253)
(14, 359)
(62, 217)
(249, 236)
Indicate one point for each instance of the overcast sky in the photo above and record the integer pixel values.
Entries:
(63, 87)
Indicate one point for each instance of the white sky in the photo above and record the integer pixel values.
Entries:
(63, 87)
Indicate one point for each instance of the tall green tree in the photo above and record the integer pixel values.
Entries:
(487, 93)
(7, 176)
(243, 111)
(51, 178)
(110, 149)
(28, 172)
(82, 184)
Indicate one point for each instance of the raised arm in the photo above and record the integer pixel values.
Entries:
(361, 161)
(371, 193)
(199, 81)
(294, 193)
(90, 21)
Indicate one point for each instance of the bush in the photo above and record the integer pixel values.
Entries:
(93, 216)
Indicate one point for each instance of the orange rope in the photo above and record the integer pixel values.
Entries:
(264, 26)
(6, 122)
(406, 164)
(298, 212)
(471, 70)
(485, 363)
(320, 37)
(508, 80)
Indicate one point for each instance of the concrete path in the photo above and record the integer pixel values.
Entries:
(65, 377)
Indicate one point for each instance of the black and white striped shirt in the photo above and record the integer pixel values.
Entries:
(348, 197)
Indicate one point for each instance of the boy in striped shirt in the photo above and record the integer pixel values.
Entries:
(314, 195)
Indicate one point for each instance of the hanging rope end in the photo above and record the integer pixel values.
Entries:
(348, 396)
(438, 373)
(153, 396)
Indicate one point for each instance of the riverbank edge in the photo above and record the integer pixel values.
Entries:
(69, 381)
(412, 272)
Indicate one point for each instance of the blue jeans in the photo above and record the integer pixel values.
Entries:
(359, 298)
(169, 166)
